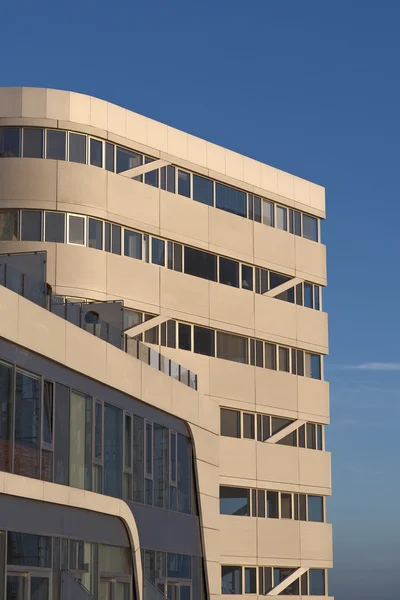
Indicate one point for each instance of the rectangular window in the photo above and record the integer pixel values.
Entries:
(110, 157)
(132, 244)
(127, 160)
(178, 257)
(310, 228)
(316, 509)
(203, 190)
(149, 448)
(247, 277)
(234, 501)
(263, 427)
(248, 426)
(254, 208)
(76, 230)
(47, 418)
(300, 363)
(204, 341)
(151, 178)
(95, 234)
(138, 459)
(268, 213)
(200, 264)
(116, 239)
(32, 143)
(185, 336)
(284, 364)
(157, 252)
(280, 575)
(286, 506)
(27, 425)
(77, 440)
(260, 503)
(77, 148)
(295, 222)
(184, 183)
(312, 365)
(112, 451)
(308, 295)
(54, 227)
(231, 580)
(250, 580)
(6, 377)
(107, 237)
(8, 225)
(272, 505)
(302, 436)
(279, 423)
(160, 466)
(98, 430)
(56, 144)
(184, 474)
(61, 434)
(232, 347)
(316, 297)
(311, 437)
(10, 142)
(230, 199)
(96, 153)
(230, 423)
(303, 507)
(319, 438)
(167, 178)
(228, 272)
(270, 356)
(281, 218)
(25, 549)
(317, 582)
(31, 225)
(304, 584)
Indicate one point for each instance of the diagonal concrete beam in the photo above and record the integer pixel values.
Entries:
(283, 585)
(147, 168)
(283, 287)
(284, 432)
(142, 327)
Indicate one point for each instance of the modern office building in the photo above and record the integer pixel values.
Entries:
(162, 334)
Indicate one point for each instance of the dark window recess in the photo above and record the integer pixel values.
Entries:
(260, 503)
(184, 183)
(200, 264)
(95, 234)
(110, 166)
(299, 294)
(230, 199)
(107, 237)
(204, 341)
(178, 258)
(55, 144)
(158, 251)
(295, 222)
(230, 423)
(308, 295)
(247, 277)
(248, 426)
(310, 228)
(284, 364)
(31, 226)
(32, 143)
(231, 580)
(203, 190)
(151, 178)
(234, 501)
(311, 436)
(270, 356)
(279, 423)
(303, 507)
(250, 580)
(302, 436)
(286, 506)
(232, 347)
(185, 336)
(228, 272)
(77, 148)
(272, 505)
(167, 179)
(133, 244)
(127, 160)
(261, 277)
(171, 334)
(116, 239)
(10, 142)
(96, 153)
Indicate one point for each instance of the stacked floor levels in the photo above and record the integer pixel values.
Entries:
(177, 448)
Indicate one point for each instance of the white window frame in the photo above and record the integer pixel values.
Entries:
(84, 217)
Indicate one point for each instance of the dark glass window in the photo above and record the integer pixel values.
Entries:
(272, 505)
(300, 362)
(10, 142)
(268, 213)
(31, 226)
(185, 336)
(302, 436)
(107, 237)
(304, 584)
(260, 503)
(316, 297)
(158, 252)
(281, 218)
(167, 178)
(179, 566)
(184, 471)
(247, 277)
(230, 423)
(138, 459)
(110, 157)
(204, 341)
(278, 423)
(317, 582)
(61, 434)
(112, 451)
(203, 190)
(254, 203)
(200, 264)
(56, 144)
(299, 294)
(183, 183)
(77, 148)
(230, 199)
(47, 421)
(308, 295)
(311, 437)
(231, 580)
(316, 509)
(178, 257)
(303, 507)
(96, 153)
(54, 227)
(95, 234)
(310, 228)
(116, 239)
(151, 178)
(284, 364)
(160, 463)
(234, 501)
(27, 425)
(232, 347)
(262, 285)
(313, 365)
(270, 356)
(275, 279)
(29, 550)
(76, 230)
(319, 437)
(295, 222)
(32, 143)
(133, 244)
(282, 574)
(5, 417)
(127, 159)
(248, 426)
(286, 506)
(250, 580)
(228, 272)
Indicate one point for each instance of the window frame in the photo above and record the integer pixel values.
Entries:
(84, 218)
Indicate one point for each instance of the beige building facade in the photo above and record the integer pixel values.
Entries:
(162, 336)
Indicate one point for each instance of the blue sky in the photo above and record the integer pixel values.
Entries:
(311, 87)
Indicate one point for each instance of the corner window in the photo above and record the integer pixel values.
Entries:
(310, 228)
(76, 230)
(230, 423)
(132, 244)
(316, 509)
(228, 272)
(203, 190)
(234, 501)
(96, 153)
(77, 148)
(281, 218)
(56, 144)
(204, 341)
(200, 264)
(10, 142)
(95, 234)
(312, 365)
(32, 143)
(317, 582)
(232, 347)
(231, 578)
(230, 199)
(31, 225)
(184, 183)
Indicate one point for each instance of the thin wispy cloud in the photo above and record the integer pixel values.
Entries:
(372, 366)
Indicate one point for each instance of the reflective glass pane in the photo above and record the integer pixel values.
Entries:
(200, 264)
(32, 143)
(184, 474)
(308, 295)
(183, 183)
(272, 505)
(112, 451)
(230, 423)
(95, 234)
(268, 213)
(228, 272)
(8, 225)
(28, 550)
(317, 582)
(77, 148)
(16, 587)
(76, 230)
(250, 581)
(257, 209)
(184, 336)
(316, 297)
(248, 426)
(47, 427)
(10, 141)
(232, 347)
(316, 508)
(203, 190)
(128, 160)
(281, 218)
(133, 244)
(270, 356)
(286, 506)
(284, 359)
(116, 239)
(39, 588)
(151, 178)
(247, 277)
(54, 227)
(230, 199)
(5, 417)
(56, 144)
(204, 341)
(110, 157)
(231, 580)
(158, 252)
(31, 225)
(96, 152)
(27, 425)
(310, 228)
